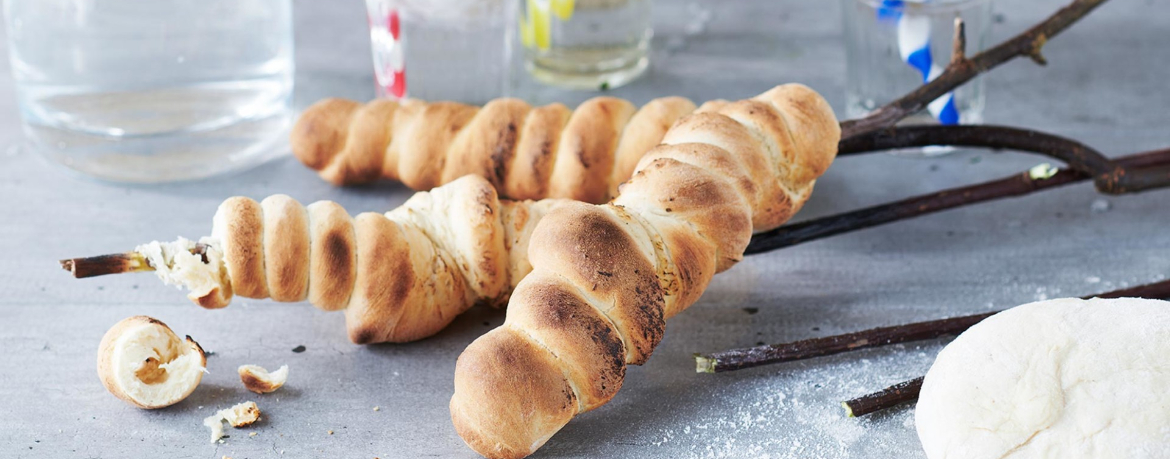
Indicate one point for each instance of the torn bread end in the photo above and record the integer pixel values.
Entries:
(241, 415)
(260, 381)
(203, 274)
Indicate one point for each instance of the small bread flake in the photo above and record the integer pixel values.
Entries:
(377, 408)
(260, 381)
(330, 432)
(241, 415)
(253, 434)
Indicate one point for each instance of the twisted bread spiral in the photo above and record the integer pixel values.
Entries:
(605, 278)
(525, 152)
(399, 277)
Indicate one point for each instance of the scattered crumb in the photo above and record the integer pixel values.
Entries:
(377, 408)
(253, 434)
(1100, 206)
(215, 423)
(260, 381)
(330, 432)
(241, 415)
(299, 349)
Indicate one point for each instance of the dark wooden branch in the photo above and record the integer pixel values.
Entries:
(889, 397)
(737, 359)
(1028, 43)
(1149, 164)
(1078, 156)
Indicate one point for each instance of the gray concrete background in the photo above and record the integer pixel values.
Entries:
(1105, 85)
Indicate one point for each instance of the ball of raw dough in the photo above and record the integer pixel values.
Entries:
(1063, 378)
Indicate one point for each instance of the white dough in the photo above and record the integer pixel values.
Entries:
(1063, 378)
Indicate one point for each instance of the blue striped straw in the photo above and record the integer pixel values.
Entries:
(914, 46)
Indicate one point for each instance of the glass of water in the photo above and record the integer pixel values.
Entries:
(153, 90)
(585, 44)
(894, 46)
(439, 49)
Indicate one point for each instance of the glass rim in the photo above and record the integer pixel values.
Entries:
(929, 6)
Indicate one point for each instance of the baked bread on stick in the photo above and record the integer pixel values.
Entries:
(606, 277)
(399, 276)
(525, 152)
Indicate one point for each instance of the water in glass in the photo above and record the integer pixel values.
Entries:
(153, 90)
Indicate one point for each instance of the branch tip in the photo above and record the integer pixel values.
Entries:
(704, 364)
(959, 52)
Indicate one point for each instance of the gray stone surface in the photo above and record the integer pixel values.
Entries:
(1105, 85)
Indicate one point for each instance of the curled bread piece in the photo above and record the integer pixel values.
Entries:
(141, 361)
(525, 152)
(399, 276)
(606, 277)
(260, 381)
(240, 415)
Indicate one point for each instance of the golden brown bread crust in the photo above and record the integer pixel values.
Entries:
(322, 129)
(591, 251)
(620, 269)
(535, 152)
(239, 227)
(645, 131)
(525, 152)
(400, 276)
(384, 279)
(486, 146)
(585, 158)
(286, 247)
(538, 397)
(576, 333)
(332, 261)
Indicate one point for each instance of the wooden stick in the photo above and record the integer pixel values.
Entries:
(116, 263)
(106, 264)
(889, 397)
(1015, 185)
(959, 71)
(738, 359)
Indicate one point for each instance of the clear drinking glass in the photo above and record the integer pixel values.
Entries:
(439, 49)
(153, 90)
(892, 47)
(585, 44)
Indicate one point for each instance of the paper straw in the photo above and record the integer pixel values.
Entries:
(388, 50)
(914, 47)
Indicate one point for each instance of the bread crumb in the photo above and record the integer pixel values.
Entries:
(377, 409)
(253, 434)
(330, 432)
(240, 415)
(260, 381)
